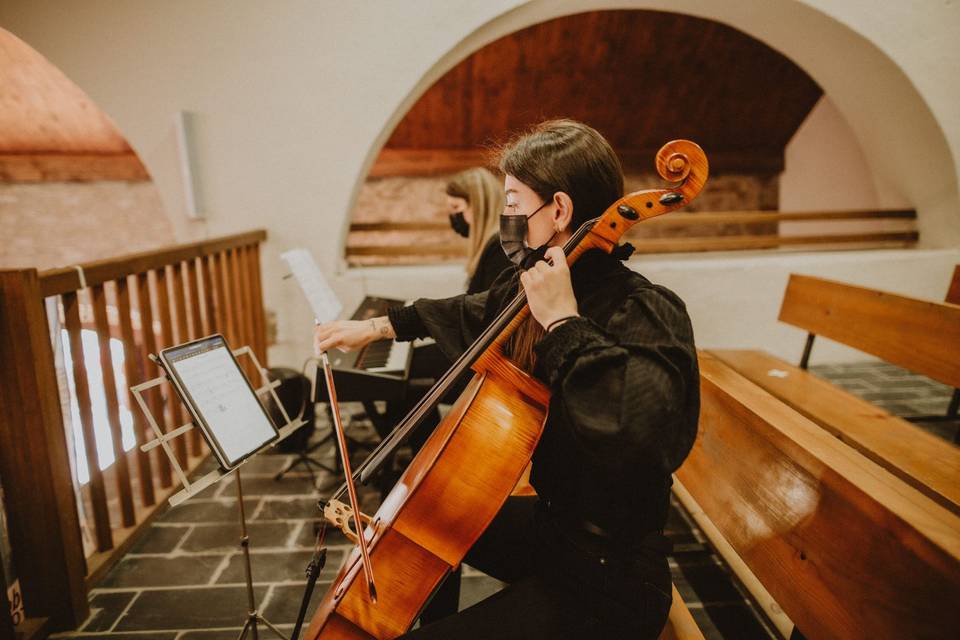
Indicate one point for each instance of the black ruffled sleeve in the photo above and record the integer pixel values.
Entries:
(629, 390)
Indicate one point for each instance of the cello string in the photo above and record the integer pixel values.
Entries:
(416, 415)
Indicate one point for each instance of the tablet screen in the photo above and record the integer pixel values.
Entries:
(222, 400)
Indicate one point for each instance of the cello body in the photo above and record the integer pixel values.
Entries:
(440, 506)
(474, 458)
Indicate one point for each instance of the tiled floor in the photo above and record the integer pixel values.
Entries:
(184, 579)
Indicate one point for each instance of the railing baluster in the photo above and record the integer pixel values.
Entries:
(121, 470)
(258, 311)
(250, 295)
(210, 323)
(242, 307)
(226, 295)
(241, 275)
(166, 340)
(98, 496)
(182, 334)
(192, 305)
(133, 370)
(149, 345)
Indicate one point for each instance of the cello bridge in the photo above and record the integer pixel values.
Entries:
(340, 515)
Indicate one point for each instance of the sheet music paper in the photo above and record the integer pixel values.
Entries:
(324, 302)
(224, 399)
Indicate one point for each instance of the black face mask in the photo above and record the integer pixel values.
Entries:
(513, 230)
(460, 225)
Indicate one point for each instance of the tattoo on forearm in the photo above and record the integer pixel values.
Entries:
(383, 330)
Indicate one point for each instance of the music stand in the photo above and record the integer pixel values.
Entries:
(190, 489)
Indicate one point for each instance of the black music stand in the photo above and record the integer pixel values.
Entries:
(190, 489)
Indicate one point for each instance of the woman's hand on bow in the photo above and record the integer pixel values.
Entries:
(548, 288)
(347, 335)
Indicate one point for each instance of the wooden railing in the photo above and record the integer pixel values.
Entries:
(383, 242)
(143, 302)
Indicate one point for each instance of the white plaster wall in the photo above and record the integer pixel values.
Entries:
(733, 298)
(825, 168)
(294, 98)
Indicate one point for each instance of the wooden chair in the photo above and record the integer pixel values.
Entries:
(918, 335)
(845, 548)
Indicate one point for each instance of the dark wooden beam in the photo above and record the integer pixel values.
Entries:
(78, 167)
(433, 162)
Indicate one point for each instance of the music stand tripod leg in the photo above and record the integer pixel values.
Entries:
(253, 616)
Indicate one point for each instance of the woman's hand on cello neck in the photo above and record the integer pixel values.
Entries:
(347, 335)
(549, 290)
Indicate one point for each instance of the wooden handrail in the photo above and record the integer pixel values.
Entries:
(667, 245)
(65, 279)
(682, 219)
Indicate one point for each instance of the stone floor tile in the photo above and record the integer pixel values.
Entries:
(153, 571)
(737, 621)
(473, 589)
(711, 583)
(283, 566)
(222, 634)
(705, 624)
(288, 509)
(199, 608)
(307, 537)
(299, 484)
(160, 540)
(268, 463)
(284, 603)
(150, 635)
(227, 538)
(105, 608)
(208, 510)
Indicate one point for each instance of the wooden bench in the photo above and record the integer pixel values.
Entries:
(680, 624)
(918, 335)
(845, 548)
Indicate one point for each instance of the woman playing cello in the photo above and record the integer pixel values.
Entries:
(586, 557)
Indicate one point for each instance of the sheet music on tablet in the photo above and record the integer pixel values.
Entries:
(324, 302)
(227, 406)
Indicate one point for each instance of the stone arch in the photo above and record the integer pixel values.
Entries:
(905, 146)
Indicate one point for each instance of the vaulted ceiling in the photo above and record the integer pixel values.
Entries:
(640, 77)
(49, 128)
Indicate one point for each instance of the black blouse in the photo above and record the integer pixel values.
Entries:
(625, 389)
(493, 261)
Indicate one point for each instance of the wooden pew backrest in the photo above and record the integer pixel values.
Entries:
(846, 549)
(919, 335)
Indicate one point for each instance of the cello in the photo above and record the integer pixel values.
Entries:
(444, 501)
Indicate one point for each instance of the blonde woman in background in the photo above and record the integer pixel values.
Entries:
(475, 201)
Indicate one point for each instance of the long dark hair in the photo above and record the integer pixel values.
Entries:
(568, 156)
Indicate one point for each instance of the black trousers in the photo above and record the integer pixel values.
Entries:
(561, 583)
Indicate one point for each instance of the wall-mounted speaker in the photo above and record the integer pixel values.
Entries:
(185, 124)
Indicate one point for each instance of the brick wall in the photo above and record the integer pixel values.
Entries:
(412, 199)
(64, 223)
